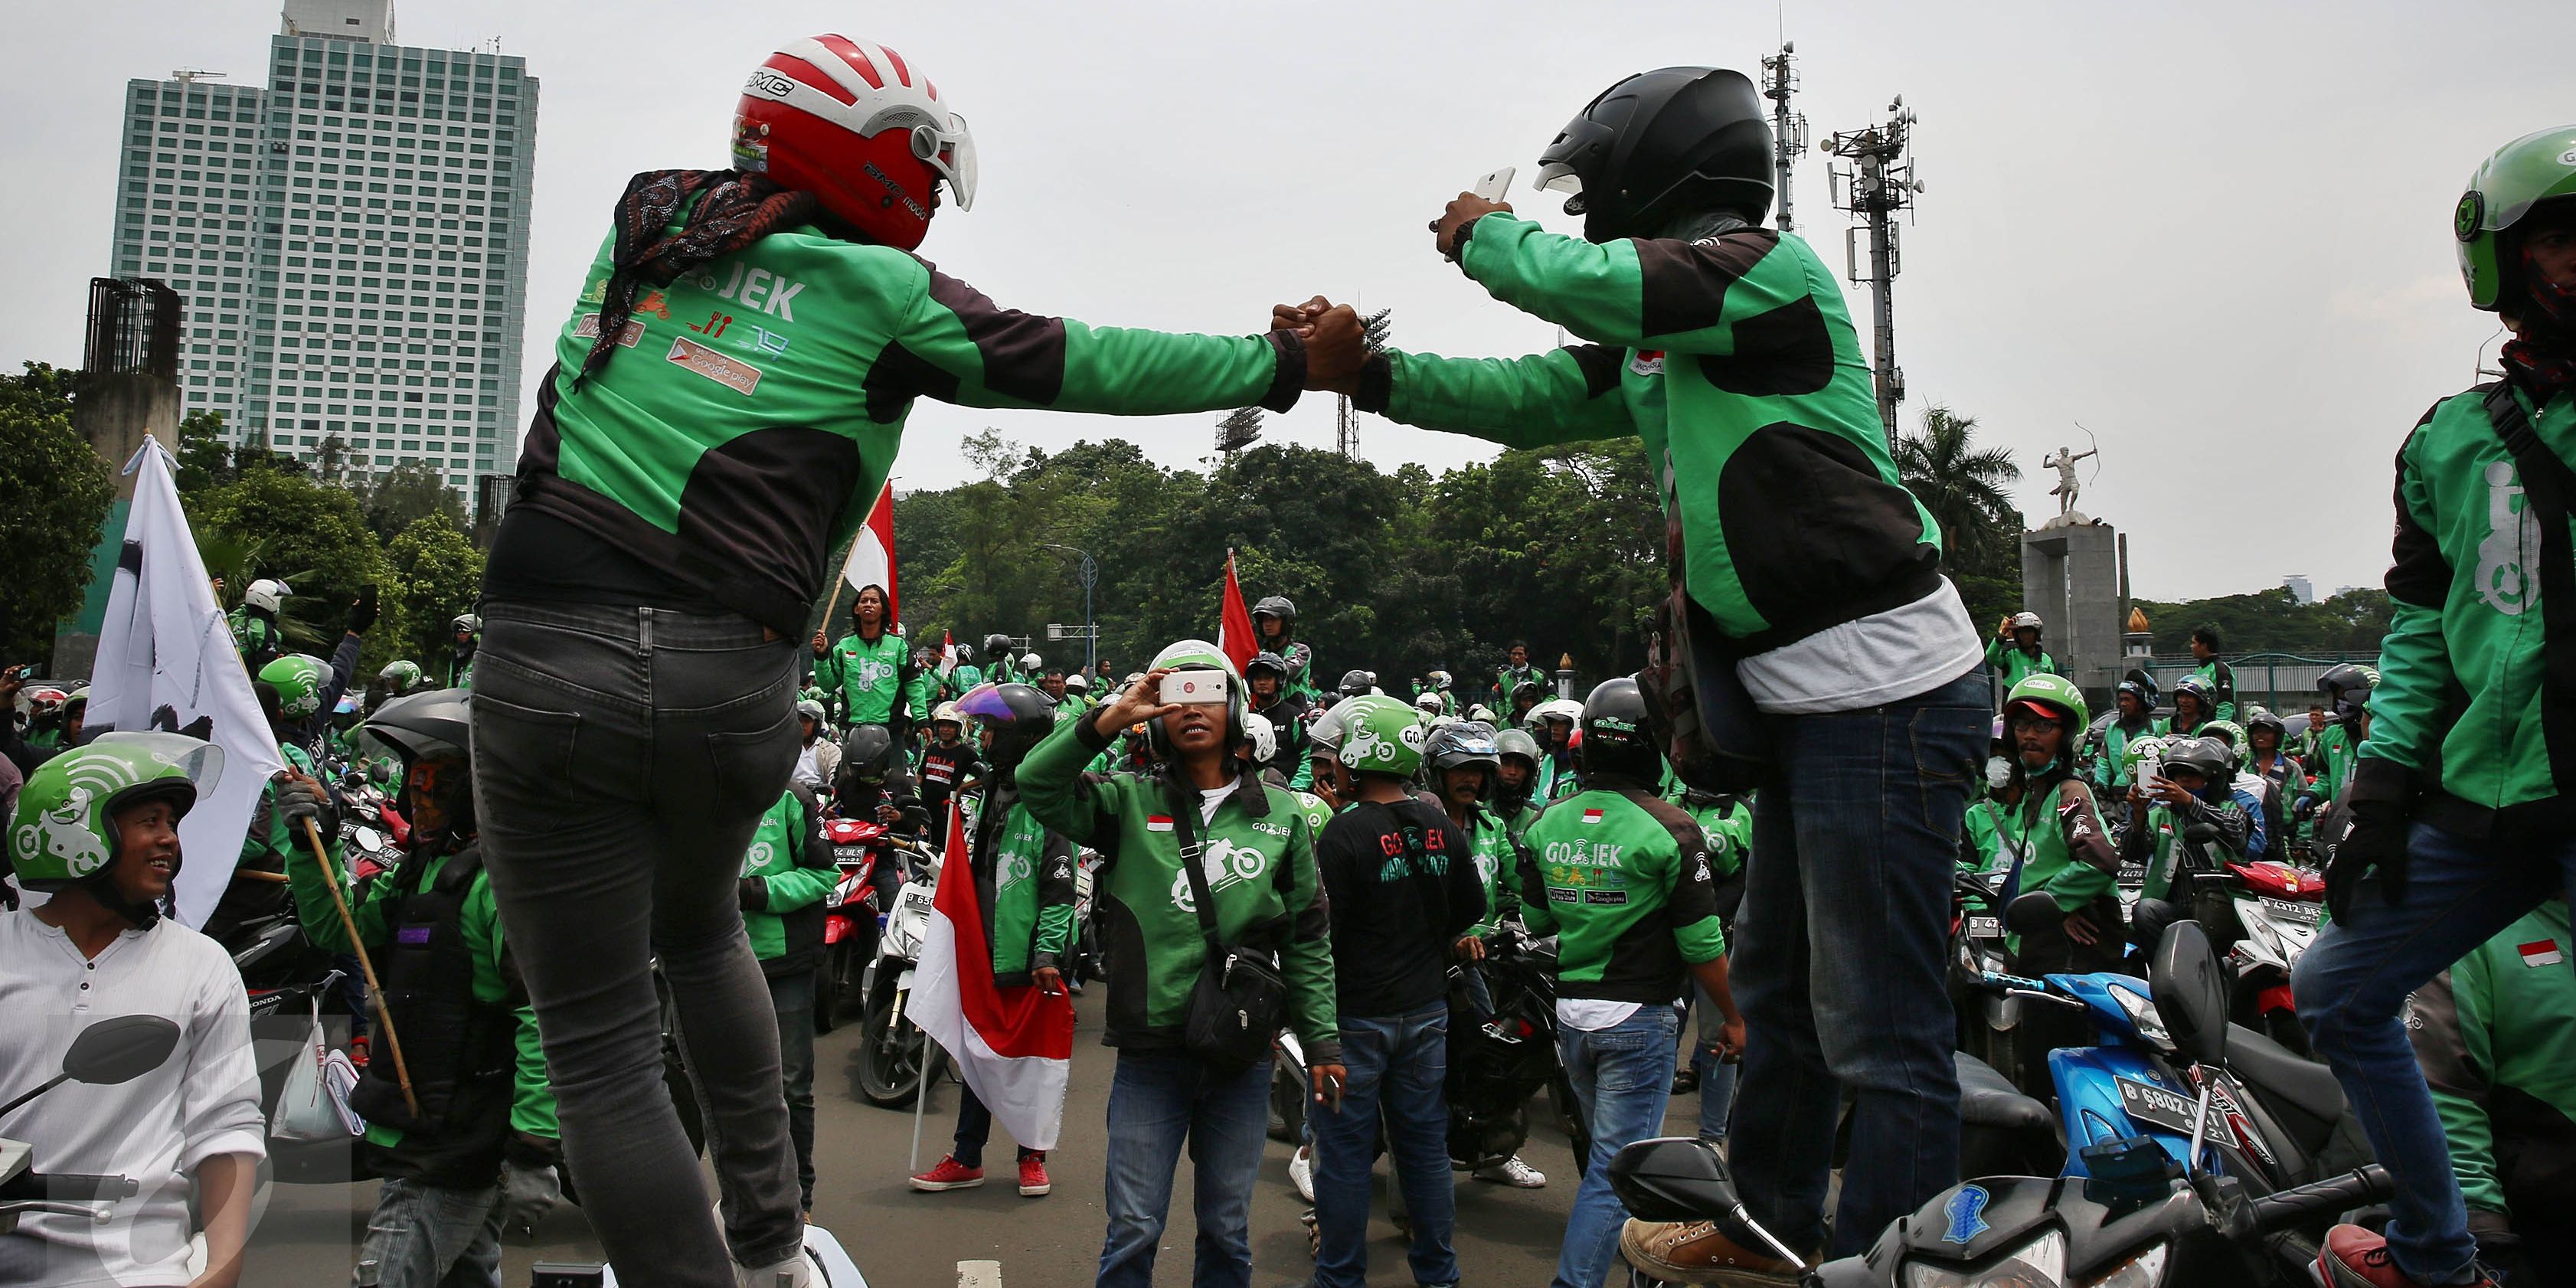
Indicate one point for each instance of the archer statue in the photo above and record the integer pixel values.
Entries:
(2066, 487)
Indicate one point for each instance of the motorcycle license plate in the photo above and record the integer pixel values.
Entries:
(2156, 1106)
(2291, 910)
(1985, 927)
(849, 855)
(2132, 874)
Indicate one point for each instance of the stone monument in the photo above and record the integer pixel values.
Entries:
(2070, 576)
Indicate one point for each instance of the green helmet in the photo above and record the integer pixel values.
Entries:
(1191, 653)
(2522, 174)
(401, 676)
(1382, 735)
(2138, 751)
(64, 833)
(2052, 691)
(2229, 732)
(298, 679)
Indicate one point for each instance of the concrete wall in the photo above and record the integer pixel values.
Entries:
(2070, 576)
(115, 412)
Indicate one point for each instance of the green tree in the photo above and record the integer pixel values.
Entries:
(2274, 621)
(309, 534)
(205, 460)
(54, 495)
(408, 492)
(435, 573)
(1965, 488)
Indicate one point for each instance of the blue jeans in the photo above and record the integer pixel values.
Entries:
(427, 1236)
(2351, 990)
(1622, 1076)
(1397, 1069)
(1716, 1077)
(1157, 1101)
(1839, 964)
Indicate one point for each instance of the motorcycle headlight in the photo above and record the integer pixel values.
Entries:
(2142, 1013)
(2145, 1270)
(2040, 1263)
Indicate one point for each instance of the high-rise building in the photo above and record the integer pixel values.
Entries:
(350, 237)
(2300, 588)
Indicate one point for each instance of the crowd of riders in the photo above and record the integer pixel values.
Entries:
(1737, 861)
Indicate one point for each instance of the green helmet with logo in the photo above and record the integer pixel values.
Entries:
(298, 679)
(1196, 655)
(2522, 174)
(2231, 733)
(65, 830)
(1382, 735)
(2052, 691)
(400, 676)
(2138, 751)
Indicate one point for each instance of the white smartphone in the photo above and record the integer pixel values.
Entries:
(1494, 184)
(1191, 687)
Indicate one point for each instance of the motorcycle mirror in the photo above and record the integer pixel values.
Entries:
(1681, 1178)
(2200, 833)
(2189, 987)
(2032, 911)
(120, 1049)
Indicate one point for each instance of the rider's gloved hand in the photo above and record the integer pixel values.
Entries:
(2370, 836)
(362, 613)
(300, 798)
(530, 1185)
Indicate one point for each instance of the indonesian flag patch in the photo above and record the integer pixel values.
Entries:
(1158, 822)
(1592, 816)
(2541, 952)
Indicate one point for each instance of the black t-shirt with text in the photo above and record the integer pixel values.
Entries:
(1403, 886)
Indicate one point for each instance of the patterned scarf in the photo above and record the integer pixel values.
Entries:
(738, 209)
(2543, 355)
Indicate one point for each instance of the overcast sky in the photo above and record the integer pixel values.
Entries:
(2215, 234)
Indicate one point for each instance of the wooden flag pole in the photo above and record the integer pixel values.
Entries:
(349, 925)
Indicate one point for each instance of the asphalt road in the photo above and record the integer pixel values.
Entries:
(308, 1235)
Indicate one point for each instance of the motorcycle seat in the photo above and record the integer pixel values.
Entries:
(1989, 1099)
(2270, 1067)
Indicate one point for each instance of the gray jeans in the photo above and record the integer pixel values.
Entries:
(424, 1236)
(622, 759)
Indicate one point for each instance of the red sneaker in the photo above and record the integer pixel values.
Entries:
(949, 1175)
(1033, 1177)
(2353, 1257)
(358, 1050)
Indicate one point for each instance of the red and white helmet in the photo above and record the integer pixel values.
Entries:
(852, 123)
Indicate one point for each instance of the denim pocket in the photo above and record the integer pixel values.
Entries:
(750, 769)
(522, 756)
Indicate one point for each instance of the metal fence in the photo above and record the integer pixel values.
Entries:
(2284, 682)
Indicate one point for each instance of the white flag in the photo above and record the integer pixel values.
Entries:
(166, 659)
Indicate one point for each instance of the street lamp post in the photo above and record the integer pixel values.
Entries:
(1088, 573)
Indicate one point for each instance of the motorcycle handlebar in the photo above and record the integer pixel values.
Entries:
(68, 1185)
(2292, 1206)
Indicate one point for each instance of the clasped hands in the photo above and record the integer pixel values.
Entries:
(1336, 346)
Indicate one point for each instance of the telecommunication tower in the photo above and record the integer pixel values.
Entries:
(1788, 128)
(1876, 181)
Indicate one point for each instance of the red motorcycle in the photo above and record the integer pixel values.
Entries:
(854, 915)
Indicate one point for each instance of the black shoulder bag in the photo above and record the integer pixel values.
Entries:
(1236, 1005)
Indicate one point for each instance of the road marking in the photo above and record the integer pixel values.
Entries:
(979, 1274)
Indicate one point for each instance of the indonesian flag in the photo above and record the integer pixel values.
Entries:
(947, 654)
(1013, 1045)
(871, 561)
(1234, 635)
(1591, 816)
(2540, 952)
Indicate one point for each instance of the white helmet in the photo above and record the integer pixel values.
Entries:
(265, 595)
(1264, 739)
(2021, 620)
(948, 713)
(1428, 700)
(1032, 661)
(1566, 709)
(1440, 680)
(811, 710)
(1078, 682)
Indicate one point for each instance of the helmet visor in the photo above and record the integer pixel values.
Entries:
(1558, 176)
(201, 761)
(984, 702)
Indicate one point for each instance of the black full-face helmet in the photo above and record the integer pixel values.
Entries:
(1662, 143)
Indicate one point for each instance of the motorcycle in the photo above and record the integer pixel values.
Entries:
(2132, 1211)
(2264, 915)
(109, 1052)
(1499, 1059)
(892, 1054)
(853, 914)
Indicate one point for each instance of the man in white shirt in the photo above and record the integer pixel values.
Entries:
(97, 830)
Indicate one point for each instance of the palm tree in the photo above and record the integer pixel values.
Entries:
(1962, 485)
